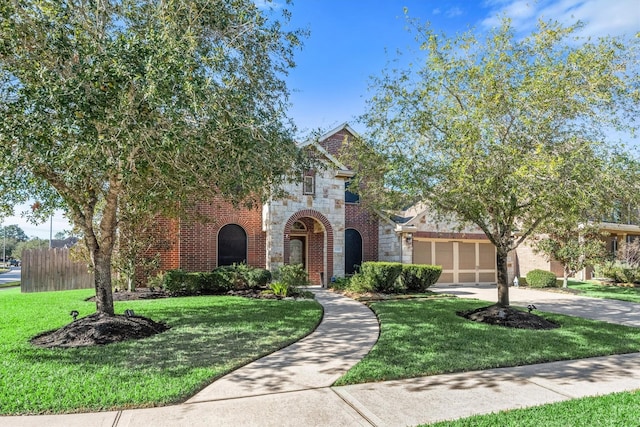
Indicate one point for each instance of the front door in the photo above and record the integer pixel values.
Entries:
(298, 251)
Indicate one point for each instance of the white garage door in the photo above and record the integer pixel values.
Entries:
(462, 262)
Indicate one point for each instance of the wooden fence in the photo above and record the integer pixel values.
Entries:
(52, 270)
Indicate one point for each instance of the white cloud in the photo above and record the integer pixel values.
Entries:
(454, 11)
(602, 17)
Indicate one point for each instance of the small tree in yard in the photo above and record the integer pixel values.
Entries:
(506, 133)
(159, 102)
(576, 247)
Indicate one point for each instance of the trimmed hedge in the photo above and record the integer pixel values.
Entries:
(541, 279)
(394, 277)
(419, 277)
(182, 283)
(219, 281)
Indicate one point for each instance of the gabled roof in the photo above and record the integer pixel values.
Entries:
(315, 142)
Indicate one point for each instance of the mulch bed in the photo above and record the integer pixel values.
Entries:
(99, 329)
(507, 316)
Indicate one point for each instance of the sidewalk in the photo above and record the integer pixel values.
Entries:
(292, 387)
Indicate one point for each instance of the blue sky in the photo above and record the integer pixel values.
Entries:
(351, 40)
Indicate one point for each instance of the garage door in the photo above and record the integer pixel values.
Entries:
(462, 262)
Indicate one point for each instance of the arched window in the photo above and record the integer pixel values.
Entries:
(352, 250)
(232, 245)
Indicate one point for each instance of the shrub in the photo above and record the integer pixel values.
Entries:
(340, 283)
(360, 284)
(180, 283)
(541, 279)
(418, 277)
(241, 276)
(258, 277)
(379, 276)
(279, 289)
(292, 275)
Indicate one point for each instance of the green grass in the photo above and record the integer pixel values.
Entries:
(10, 284)
(426, 337)
(622, 293)
(618, 409)
(209, 337)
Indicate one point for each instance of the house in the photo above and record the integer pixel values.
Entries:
(622, 226)
(321, 225)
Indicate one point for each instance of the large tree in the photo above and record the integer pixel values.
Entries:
(504, 132)
(111, 104)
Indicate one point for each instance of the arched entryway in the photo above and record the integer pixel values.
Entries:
(232, 245)
(352, 250)
(308, 240)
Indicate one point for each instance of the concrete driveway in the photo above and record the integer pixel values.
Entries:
(612, 311)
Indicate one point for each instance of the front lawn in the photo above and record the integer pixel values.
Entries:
(617, 409)
(209, 337)
(426, 337)
(596, 290)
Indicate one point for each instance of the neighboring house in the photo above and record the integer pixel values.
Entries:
(63, 243)
(620, 227)
(321, 225)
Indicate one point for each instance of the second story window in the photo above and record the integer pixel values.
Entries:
(308, 184)
(350, 197)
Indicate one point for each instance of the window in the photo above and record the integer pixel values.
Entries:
(350, 197)
(308, 185)
(232, 245)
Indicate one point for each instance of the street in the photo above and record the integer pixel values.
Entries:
(10, 276)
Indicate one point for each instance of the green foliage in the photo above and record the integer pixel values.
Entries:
(219, 281)
(292, 275)
(619, 272)
(182, 283)
(280, 289)
(541, 279)
(626, 267)
(599, 290)
(426, 337)
(392, 277)
(241, 276)
(419, 277)
(108, 111)
(617, 409)
(34, 243)
(340, 283)
(209, 337)
(377, 277)
(505, 132)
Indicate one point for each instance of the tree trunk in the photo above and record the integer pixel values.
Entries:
(503, 278)
(102, 271)
(565, 277)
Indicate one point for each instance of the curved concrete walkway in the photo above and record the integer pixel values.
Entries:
(345, 335)
(292, 387)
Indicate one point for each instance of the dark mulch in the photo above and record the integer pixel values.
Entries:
(507, 316)
(99, 329)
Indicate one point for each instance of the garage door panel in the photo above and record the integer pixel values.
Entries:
(487, 256)
(444, 255)
(421, 252)
(467, 256)
(446, 278)
(487, 277)
(467, 277)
